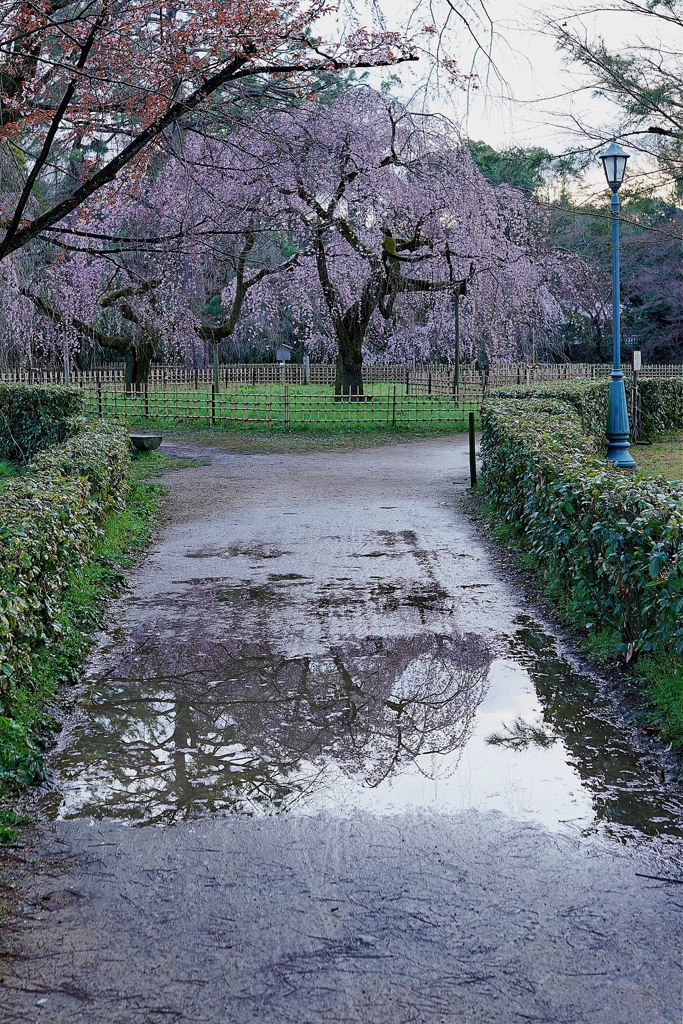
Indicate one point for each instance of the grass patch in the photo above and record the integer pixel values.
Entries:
(10, 821)
(7, 470)
(276, 441)
(27, 728)
(662, 682)
(662, 458)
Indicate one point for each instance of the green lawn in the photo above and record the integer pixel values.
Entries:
(663, 458)
(291, 408)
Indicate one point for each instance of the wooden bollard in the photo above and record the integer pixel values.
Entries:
(473, 454)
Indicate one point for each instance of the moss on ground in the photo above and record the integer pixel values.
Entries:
(27, 729)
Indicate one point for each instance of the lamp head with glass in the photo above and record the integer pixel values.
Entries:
(614, 162)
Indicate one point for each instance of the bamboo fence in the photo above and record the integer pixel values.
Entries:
(269, 395)
(286, 406)
(258, 374)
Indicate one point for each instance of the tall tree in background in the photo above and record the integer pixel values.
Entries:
(348, 226)
(393, 211)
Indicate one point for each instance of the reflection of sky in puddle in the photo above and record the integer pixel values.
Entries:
(381, 725)
(535, 783)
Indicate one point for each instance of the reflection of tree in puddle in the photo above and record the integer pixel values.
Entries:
(241, 728)
(626, 784)
(521, 735)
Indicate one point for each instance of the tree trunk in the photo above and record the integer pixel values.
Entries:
(350, 330)
(138, 362)
(216, 369)
(349, 379)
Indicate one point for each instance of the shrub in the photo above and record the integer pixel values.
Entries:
(613, 541)
(661, 402)
(49, 520)
(34, 416)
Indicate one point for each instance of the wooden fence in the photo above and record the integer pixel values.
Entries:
(304, 407)
(257, 374)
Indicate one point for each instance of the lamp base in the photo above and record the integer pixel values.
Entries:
(618, 453)
(617, 424)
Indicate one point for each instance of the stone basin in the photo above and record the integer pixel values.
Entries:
(145, 442)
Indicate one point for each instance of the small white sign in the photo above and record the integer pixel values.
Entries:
(635, 359)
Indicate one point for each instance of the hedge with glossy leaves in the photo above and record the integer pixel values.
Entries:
(50, 518)
(614, 540)
(34, 416)
(661, 402)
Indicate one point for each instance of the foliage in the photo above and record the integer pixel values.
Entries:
(78, 610)
(661, 402)
(343, 227)
(50, 519)
(91, 93)
(613, 543)
(21, 763)
(642, 78)
(9, 821)
(521, 168)
(651, 276)
(31, 418)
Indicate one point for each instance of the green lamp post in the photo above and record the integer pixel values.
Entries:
(614, 162)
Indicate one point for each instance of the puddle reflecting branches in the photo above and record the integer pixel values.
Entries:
(189, 729)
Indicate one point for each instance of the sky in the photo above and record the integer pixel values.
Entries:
(530, 94)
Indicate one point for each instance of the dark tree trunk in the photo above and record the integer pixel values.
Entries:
(138, 362)
(349, 378)
(350, 329)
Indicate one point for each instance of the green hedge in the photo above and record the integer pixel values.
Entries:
(50, 517)
(614, 541)
(661, 402)
(34, 416)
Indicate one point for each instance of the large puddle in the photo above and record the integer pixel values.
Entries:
(306, 636)
(384, 725)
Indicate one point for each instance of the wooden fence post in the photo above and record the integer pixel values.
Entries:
(393, 412)
(286, 406)
(473, 454)
(212, 419)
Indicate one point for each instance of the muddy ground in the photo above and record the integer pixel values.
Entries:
(275, 799)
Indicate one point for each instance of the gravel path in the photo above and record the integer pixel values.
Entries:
(340, 910)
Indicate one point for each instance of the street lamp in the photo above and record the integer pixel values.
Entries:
(614, 162)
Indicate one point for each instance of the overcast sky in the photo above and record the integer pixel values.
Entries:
(534, 96)
(539, 97)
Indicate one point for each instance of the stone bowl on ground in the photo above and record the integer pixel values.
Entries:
(145, 442)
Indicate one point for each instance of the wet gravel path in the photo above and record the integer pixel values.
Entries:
(310, 649)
